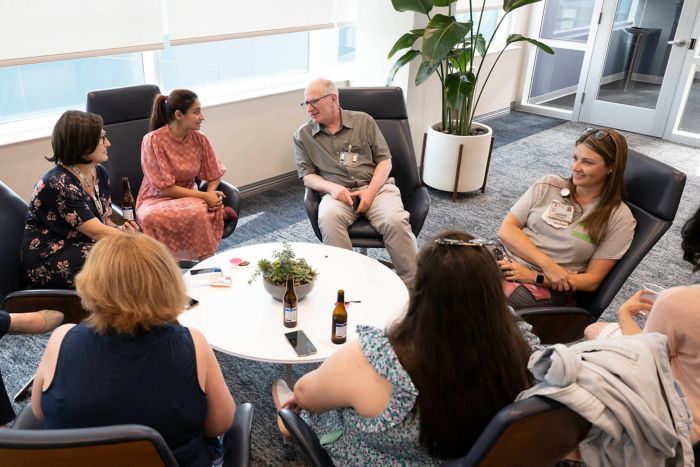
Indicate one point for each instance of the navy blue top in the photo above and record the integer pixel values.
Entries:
(149, 379)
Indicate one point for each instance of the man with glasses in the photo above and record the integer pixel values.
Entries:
(343, 155)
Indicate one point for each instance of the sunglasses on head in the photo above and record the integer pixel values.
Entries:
(458, 242)
(595, 132)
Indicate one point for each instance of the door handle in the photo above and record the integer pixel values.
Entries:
(679, 42)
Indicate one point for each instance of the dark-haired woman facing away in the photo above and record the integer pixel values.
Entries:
(71, 205)
(422, 391)
(169, 205)
(567, 234)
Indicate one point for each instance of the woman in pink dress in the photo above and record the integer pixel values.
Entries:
(170, 207)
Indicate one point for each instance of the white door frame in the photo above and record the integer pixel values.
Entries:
(687, 74)
(636, 119)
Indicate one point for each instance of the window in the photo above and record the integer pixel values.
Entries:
(346, 43)
(246, 59)
(488, 25)
(24, 92)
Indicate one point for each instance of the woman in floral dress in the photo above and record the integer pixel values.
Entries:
(169, 206)
(422, 391)
(71, 206)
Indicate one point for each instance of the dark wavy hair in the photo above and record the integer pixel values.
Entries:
(75, 135)
(164, 107)
(612, 147)
(691, 241)
(460, 344)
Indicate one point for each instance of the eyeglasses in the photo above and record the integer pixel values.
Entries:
(458, 242)
(597, 133)
(103, 137)
(314, 102)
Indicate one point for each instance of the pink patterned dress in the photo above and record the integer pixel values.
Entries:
(184, 225)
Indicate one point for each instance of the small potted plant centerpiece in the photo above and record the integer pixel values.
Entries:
(283, 264)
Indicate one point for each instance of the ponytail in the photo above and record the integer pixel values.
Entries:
(158, 113)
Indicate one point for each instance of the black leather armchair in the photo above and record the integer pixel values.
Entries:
(534, 432)
(386, 105)
(126, 113)
(107, 446)
(654, 191)
(13, 297)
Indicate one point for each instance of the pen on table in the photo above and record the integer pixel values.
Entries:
(353, 301)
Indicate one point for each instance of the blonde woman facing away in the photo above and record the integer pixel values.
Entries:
(129, 361)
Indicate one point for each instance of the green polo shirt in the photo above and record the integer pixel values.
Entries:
(316, 151)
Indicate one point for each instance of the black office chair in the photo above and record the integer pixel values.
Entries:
(654, 191)
(534, 432)
(28, 444)
(126, 113)
(386, 105)
(13, 296)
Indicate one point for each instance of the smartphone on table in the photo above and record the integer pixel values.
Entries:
(194, 272)
(300, 343)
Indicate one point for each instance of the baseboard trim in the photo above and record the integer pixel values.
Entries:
(267, 184)
(493, 114)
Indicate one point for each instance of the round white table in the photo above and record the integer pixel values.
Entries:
(245, 321)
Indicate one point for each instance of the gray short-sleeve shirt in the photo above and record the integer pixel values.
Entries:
(570, 247)
(316, 151)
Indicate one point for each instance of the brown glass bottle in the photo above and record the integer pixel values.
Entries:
(127, 201)
(289, 313)
(339, 330)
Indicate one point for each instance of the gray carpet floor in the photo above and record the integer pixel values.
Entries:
(527, 147)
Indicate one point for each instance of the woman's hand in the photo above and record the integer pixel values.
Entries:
(214, 199)
(292, 404)
(636, 305)
(131, 226)
(557, 277)
(516, 272)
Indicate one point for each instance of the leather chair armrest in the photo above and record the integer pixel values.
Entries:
(307, 439)
(232, 200)
(26, 420)
(239, 454)
(556, 324)
(417, 205)
(66, 301)
(311, 200)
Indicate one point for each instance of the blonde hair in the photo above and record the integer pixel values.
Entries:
(130, 282)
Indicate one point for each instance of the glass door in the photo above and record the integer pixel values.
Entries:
(631, 85)
(684, 124)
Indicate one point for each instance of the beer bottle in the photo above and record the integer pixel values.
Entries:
(289, 316)
(127, 200)
(339, 331)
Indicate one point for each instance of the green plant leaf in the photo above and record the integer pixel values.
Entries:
(519, 38)
(443, 2)
(460, 59)
(441, 34)
(404, 42)
(458, 87)
(510, 5)
(419, 6)
(404, 59)
(480, 43)
(424, 71)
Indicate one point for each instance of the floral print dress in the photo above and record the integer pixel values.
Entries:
(53, 250)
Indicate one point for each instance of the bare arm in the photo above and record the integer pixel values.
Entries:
(512, 235)
(635, 305)
(381, 173)
(97, 230)
(320, 184)
(47, 367)
(345, 379)
(220, 405)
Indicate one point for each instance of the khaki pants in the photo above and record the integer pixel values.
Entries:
(386, 215)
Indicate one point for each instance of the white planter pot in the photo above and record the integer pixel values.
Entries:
(442, 153)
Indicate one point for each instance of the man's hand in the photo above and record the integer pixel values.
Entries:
(341, 193)
(366, 197)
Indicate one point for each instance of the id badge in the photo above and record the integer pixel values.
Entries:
(561, 211)
(557, 220)
(348, 159)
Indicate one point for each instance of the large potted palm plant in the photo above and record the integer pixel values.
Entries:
(449, 48)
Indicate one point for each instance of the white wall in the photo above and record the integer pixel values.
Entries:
(253, 137)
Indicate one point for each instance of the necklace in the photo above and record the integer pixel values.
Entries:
(94, 193)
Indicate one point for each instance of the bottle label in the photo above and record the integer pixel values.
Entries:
(290, 314)
(341, 330)
(128, 214)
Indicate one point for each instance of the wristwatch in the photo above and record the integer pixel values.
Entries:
(539, 279)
